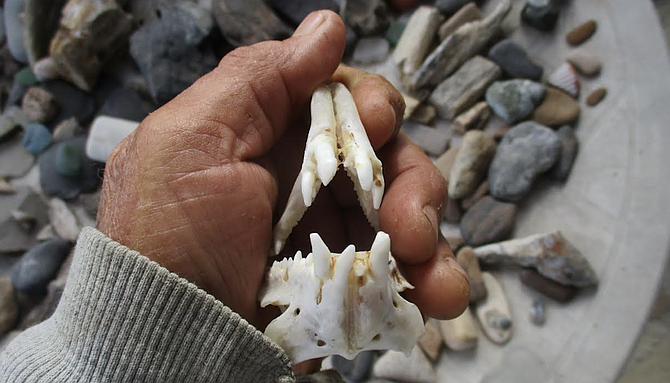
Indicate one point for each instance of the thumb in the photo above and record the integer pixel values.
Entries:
(252, 95)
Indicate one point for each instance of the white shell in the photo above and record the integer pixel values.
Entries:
(340, 303)
(565, 78)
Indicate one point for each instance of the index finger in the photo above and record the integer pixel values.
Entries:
(380, 105)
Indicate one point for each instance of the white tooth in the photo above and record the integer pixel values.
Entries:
(298, 256)
(321, 256)
(345, 262)
(308, 186)
(379, 255)
(364, 171)
(326, 159)
(377, 194)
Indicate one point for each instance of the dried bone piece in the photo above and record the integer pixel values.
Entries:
(319, 165)
(416, 39)
(358, 156)
(494, 313)
(460, 333)
(458, 48)
(340, 303)
(550, 254)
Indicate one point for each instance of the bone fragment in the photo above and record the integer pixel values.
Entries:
(319, 165)
(413, 368)
(359, 158)
(467, 41)
(493, 313)
(460, 333)
(468, 260)
(474, 118)
(416, 39)
(550, 254)
(340, 303)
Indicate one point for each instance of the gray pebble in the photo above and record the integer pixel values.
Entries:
(538, 312)
(569, 149)
(514, 100)
(514, 61)
(525, 152)
(39, 265)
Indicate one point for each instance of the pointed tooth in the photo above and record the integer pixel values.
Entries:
(377, 195)
(307, 183)
(364, 171)
(326, 161)
(321, 256)
(379, 255)
(345, 262)
(298, 256)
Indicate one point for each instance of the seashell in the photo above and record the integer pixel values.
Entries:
(565, 79)
(550, 254)
(340, 303)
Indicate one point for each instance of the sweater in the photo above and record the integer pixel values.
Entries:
(125, 318)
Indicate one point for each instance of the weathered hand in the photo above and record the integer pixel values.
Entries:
(196, 186)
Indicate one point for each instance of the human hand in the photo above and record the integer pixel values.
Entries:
(195, 187)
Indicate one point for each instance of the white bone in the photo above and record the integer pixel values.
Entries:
(359, 158)
(351, 310)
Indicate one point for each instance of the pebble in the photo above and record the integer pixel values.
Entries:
(396, 366)
(538, 312)
(450, 6)
(66, 129)
(39, 105)
(15, 160)
(25, 220)
(446, 162)
(474, 118)
(105, 133)
(9, 306)
(68, 161)
(36, 138)
(424, 114)
(540, 14)
(38, 266)
(15, 29)
(370, 50)
(565, 78)
(72, 102)
(367, 17)
(514, 61)
(460, 333)
(166, 48)
(89, 33)
(246, 22)
(494, 313)
(49, 303)
(13, 236)
(582, 33)
(415, 42)
(488, 221)
(476, 151)
(40, 20)
(296, 11)
(125, 103)
(557, 108)
(526, 151)
(395, 30)
(500, 132)
(90, 201)
(433, 140)
(467, 258)
(585, 62)
(466, 14)
(596, 96)
(462, 89)
(46, 233)
(481, 191)
(45, 69)
(549, 288)
(431, 341)
(356, 370)
(55, 184)
(514, 100)
(452, 210)
(7, 125)
(25, 77)
(569, 148)
(63, 220)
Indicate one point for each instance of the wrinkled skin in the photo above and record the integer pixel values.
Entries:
(196, 187)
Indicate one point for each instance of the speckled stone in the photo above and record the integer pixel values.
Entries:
(488, 221)
(569, 148)
(526, 151)
(514, 100)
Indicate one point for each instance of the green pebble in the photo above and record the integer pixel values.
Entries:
(395, 31)
(25, 77)
(68, 161)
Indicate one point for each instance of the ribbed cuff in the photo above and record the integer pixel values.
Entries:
(123, 318)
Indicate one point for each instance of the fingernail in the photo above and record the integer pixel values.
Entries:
(310, 25)
(431, 214)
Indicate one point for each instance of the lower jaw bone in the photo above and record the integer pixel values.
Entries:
(340, 303)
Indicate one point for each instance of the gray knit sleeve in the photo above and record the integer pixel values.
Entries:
(124, 318)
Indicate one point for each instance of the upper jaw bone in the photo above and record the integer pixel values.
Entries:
(335, 123)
